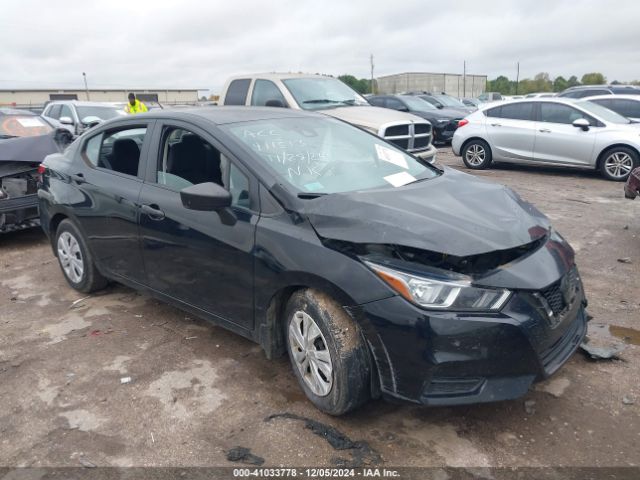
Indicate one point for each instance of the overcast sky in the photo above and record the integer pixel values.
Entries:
(198, 44)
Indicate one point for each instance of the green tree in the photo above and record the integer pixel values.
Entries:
(593, 78)
(542, 82)
(560, 84)
(361, 85)
(573, 81)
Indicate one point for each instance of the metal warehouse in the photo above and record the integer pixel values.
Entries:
(450, 83)
(27, 97)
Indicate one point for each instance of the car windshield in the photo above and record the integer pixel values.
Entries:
(448, 101)
(418, 104)
(23, 126)
(603, 112)
(315, 93)
(103, 113)
(322, 155)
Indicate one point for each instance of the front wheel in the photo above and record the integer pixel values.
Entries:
(75, 259)
(618, 163)
(476, 154)
(327, 352)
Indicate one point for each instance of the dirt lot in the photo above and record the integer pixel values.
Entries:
(197, 391)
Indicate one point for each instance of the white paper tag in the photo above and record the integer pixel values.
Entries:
(400, 179)
(30, 122)
(391, 156)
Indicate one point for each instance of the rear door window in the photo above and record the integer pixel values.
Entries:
(395, 104)
(265, 91)
(54, 112)
(117, 150)
(237, 92)
(515, 111)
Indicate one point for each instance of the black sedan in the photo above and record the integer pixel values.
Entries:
(444, 122)
(377, 273)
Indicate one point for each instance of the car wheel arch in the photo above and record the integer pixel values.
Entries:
(608, 148)
(53, 228)
(469, 140)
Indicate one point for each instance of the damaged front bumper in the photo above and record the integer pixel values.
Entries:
(453, 358)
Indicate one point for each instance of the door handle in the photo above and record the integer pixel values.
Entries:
(78, 178)
(153, 212)
(496, 124)
(545, 130)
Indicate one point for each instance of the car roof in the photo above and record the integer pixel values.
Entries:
(279, 76)
(227, 114)
(619, 85)
(82, 103)
(613, 97)
(15, 111)
(568, 101)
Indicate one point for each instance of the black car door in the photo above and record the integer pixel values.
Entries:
(204, 259)
(109, 180)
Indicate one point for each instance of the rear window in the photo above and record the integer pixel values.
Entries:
(23, 126)
(237, 92)
(514, 111)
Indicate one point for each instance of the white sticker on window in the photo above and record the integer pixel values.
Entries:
(400, 179)
(391, 156)
(30, 122)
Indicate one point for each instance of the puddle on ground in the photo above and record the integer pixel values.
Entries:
(629, 335)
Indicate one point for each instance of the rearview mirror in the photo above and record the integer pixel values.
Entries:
(275, 103)
(582, 123)
(66, 120)
(205, 197)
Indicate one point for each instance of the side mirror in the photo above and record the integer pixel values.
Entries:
(66, 120)
(205, 197)
(275, 103)
(439, 106)
(582, 123)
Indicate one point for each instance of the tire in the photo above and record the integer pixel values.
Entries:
(75, 259)
(476, 154)
(618, 162)
(337, 381)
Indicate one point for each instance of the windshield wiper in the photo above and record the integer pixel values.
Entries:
(310, 195)
(8, 136)
(418, 180)
(322, 100)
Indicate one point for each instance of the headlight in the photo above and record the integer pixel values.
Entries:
(432, 293)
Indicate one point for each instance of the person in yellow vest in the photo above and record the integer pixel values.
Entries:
(134, 106)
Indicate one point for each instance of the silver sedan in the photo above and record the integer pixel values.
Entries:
(553, 131)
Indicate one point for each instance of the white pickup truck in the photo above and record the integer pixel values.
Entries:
(331, 97)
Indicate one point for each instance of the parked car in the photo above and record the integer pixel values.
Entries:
(444, 121)
(445, 101)
(25, 139)
(632, 187)
(77, 116)
(554, 131)
(626, 105)
(489, 97)
(471, 102)
(582, 91)
(332, 97)
(376, 272)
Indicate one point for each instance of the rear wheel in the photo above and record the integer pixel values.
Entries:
(476, 154)
(75, 259)
(327, 352)
(618, 162)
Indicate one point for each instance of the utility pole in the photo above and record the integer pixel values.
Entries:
(372, 65)
(86, 88)
(517, 77)
(464, 78)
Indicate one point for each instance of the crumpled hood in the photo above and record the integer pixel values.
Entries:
(456, 214)
(369, 116)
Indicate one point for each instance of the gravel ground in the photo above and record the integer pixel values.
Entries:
(197, 391)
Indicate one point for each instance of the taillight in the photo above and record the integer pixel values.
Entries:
(42, 169)
(463, 122)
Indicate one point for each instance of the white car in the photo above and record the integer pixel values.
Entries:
(626, 105)
(76, 116)
(550, 131)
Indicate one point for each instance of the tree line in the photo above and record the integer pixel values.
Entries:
(542, 82)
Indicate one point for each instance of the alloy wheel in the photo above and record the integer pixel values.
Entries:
(475, 155)
(618, 164)
(310, 353)
(70, 257)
